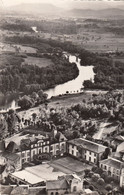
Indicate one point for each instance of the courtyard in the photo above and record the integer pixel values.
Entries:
(69, 165)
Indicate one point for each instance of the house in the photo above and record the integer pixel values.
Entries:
(118, 140)
(64, 185)
(114, 168)
(119, 154)
(85, 150)
(9, 157)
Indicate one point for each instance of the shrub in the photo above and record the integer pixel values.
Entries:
(95, 177)
(94, 168)
(91, 188)
(90, 174)
(108, 187)
(101, 181)
(87, 171)
(109, 179)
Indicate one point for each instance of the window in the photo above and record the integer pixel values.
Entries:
(51, 147)
(90, 159)
(118, 172)
(28, 159)
(28, 153)
(52, 193)
(105, 167)
(94, 160)
(94, 154)
(57, 193)
(45, 149)
(23, 155)
(62, 146)
(77, 154)
(74, 189)
(57, 146)
(101, 166)
(72, 152)
(72, 146)
(33, 152)
(39, 151)
(23, 160)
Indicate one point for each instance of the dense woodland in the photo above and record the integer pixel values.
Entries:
(108, 74)
(29, 78)
(60, 27)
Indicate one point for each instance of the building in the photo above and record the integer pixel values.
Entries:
(43, 147)
(36, 175)
(64, 185)
(114, 168)
(85, 150)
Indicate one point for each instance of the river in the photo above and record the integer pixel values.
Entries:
(73, 86)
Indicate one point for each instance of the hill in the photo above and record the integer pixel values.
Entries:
(104, 13)
(36, 9)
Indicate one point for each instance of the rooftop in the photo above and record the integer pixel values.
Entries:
(56, 184)
(11, 156)
(112, 162)
(89, 145)
(37, 174)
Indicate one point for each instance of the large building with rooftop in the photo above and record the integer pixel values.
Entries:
(85, 149)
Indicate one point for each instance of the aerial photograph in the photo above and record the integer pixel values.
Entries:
(61, 97)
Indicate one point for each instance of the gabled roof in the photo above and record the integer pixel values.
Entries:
(119, 138)
(7, 190)
(88, 145)
(11, 156)
(112, 162)
(57, 184)
(12, 146)
(62, 137)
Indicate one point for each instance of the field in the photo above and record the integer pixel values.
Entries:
(121, 59)
(16, 48)
(41, 62)
(69, 165)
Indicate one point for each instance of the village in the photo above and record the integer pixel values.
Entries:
(38, 156)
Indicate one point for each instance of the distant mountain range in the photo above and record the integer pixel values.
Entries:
(104, 13)
(49, 9)
(40, 9)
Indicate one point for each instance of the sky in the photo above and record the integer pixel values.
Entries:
(86, 4)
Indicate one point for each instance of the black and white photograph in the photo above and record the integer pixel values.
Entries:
(61, 97)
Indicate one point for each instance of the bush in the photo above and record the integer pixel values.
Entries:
(104, 175)
(95, 177)
(108, 187)
(99, 171)
(91, 188)
(94, 168)
(90, 174)
(87, 171)
(109, 179)
(101, 181)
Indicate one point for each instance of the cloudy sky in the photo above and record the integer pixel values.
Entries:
(86, 4)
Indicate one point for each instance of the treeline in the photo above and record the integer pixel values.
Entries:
(108, 74)
(28, 78)
(44, 45)
(59, 27)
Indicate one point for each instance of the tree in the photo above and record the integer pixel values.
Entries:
(101, 181)
(26, 102)
(87, 171)
(34, 115)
